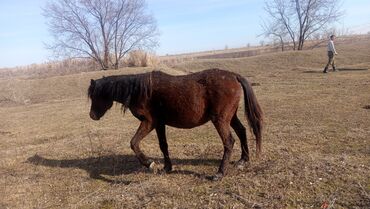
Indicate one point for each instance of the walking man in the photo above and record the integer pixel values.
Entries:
(331, 54)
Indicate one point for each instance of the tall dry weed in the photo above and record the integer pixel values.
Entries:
(139, 58)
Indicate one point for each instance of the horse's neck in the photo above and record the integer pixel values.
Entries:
(124, 90)
(118, 92)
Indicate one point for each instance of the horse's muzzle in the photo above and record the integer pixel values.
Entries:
(93, 116)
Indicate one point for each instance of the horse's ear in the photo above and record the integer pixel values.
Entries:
(92, 82)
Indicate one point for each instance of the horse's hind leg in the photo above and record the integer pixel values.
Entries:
(242, 134)
(161, 133)
(223, 129)
(144, 129)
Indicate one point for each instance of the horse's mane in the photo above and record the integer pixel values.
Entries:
(126, 89)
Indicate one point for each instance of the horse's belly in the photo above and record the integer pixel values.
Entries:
(187, 117)
(187, 123)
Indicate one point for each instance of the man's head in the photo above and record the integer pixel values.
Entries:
(332, 37)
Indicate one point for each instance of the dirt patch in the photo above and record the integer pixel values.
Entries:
(5, 132)
(6, 102)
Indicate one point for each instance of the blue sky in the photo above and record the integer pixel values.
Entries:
(185, 26)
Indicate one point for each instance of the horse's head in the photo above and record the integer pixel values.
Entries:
(100, 100)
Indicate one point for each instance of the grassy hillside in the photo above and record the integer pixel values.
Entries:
(354, 54)
(316, 148)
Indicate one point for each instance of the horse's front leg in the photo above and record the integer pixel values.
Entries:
(161, 133)
(144, 129)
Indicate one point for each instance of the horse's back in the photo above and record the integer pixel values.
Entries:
(191, 100)
(200, 84)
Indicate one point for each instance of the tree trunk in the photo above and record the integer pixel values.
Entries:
(106, 59)
(300, 44)
(115, 66)
(98, 60)
(282, 43)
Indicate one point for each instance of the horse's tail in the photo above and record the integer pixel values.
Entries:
(253, 112)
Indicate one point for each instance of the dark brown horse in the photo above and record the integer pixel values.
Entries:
(158, 99)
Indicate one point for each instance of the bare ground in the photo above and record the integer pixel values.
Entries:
(316, 149)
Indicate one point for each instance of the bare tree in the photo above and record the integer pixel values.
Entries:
(104, 30)
(300, 19)
(275, 31)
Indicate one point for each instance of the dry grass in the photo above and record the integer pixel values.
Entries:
(50, 69)
(316, 142)
(173, 60)
(139, 58)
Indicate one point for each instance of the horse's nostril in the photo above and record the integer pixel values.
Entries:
(93, 116)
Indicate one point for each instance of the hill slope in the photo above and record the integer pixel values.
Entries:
(315, 142)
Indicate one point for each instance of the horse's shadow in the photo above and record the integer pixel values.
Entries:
(115, 165)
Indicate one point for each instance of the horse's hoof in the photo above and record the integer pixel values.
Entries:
(153, 167)
(167, 169)
(241, 164)
(217, 177)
